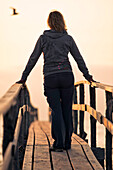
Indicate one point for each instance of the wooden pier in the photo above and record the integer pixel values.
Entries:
(38, 155)
(25, 141)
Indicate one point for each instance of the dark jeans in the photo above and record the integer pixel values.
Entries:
(59, 90)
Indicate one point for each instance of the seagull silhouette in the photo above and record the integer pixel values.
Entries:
(14, 11)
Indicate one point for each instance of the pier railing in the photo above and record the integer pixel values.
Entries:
(16, 114)
(107, 120)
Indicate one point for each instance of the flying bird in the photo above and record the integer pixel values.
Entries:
(14, 11)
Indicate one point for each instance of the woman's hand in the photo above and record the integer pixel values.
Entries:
(91, 79)
(21, 82)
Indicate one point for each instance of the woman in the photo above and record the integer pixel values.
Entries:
(58, 76)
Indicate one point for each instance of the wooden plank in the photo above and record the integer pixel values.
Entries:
(108, 124)
(27, 163)
(76, 154)
(41, 153)
(46, 126)
(78, 107)
(9, 98)
(81, 82)
(97, 115)
(96, 84)
(103, 86)
(60, 159)
(87, 151)
(77, 157)
(41, 158)
(17, 128)
(8, 154)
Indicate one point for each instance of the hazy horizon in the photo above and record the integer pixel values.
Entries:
(102, 74)
(89, 22)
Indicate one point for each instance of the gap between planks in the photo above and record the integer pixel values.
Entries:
(59, 159)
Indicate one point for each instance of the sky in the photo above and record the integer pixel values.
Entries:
(90, 22)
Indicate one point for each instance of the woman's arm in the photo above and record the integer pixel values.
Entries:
(79, 59)
(33, 59)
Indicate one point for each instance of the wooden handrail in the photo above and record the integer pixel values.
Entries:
(11, 149)
(97, 85)
(97, 115)
(94, 115)
(9, 98)
(7, 156)
(17, 128)
(16, 113)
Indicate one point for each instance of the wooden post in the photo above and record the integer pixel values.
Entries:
(108, 134)
(1, 139)
(81, 116)
(26, 112)
(21, 142)
(93, 120)
(75, 111)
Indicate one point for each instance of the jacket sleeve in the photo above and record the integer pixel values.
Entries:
(33, 59)
(79, 59)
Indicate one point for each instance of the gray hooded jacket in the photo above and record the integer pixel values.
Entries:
(55, 47)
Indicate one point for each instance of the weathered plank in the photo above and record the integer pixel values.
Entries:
(89, 154)
(27, 163)
(97, 115)
(96, 84)
(8, 155)
(77, 157)
(40, 159)
(108, 124)
(59, 159)
(46, 126)
(9, 98)
(41, 153)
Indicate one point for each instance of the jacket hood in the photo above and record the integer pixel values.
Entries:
(54, 34)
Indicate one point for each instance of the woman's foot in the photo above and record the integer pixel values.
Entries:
(67, 144)
(55, 149)
(67, 147)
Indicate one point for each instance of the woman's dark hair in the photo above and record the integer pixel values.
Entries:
(56, 21)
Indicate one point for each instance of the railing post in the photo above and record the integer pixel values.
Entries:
(109, 110)
(93, 120)
(15, 158)
(21, 143)
(1, 140)
(26, 112)
(81, 116)
(75, 112)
